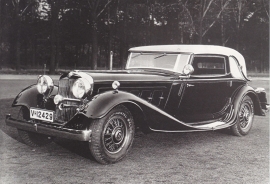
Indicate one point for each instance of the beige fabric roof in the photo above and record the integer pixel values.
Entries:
(195, 49)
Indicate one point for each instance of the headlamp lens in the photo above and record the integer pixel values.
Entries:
(44, 84)
(80, 87)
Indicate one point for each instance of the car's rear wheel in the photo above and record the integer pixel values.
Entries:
(34, 139)
(112, 135)
(245, 117)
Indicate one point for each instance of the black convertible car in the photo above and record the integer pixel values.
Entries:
(164, 88)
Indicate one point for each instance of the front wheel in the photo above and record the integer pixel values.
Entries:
(112, 135)
(34, 139)
(245, 117)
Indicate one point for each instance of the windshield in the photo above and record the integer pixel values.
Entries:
(171, 62)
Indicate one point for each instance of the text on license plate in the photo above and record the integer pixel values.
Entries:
(41, 114)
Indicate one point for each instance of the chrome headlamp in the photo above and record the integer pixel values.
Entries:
(188, 69)
(45, 84)
(82, 86)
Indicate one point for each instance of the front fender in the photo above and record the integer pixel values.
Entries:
(155, 118)
(30, 97)
(102, 103)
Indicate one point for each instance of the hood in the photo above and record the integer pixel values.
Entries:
(110, 76)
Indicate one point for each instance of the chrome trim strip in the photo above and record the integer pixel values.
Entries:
(169, 95)
(211, 125)
(267, 107)
(57, 131)
(179, 131)
(259, 90)
(211, 78)
(181, 93)
(129, 88)
(72, 99)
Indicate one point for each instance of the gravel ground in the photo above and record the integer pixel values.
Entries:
(202, 157)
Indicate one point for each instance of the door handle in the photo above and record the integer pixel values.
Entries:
(190, 85)
(229, 83)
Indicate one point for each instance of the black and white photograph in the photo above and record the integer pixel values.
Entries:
(134, 91)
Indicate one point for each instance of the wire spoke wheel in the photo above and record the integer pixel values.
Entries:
(115, 134)
(245, 117)
(112, 135)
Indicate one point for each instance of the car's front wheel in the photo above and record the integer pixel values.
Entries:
(34, 139)
(245, 117)
(112, 135)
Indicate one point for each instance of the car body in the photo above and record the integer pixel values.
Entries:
(164, 88)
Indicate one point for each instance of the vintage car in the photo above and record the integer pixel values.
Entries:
(164, 88)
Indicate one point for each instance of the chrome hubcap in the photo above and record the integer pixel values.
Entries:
(118, 135)
(114, 135)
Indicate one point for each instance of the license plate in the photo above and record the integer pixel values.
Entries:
(40, 114)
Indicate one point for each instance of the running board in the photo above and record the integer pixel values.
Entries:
(211, 126)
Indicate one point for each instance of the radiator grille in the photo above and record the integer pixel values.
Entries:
(64, 90)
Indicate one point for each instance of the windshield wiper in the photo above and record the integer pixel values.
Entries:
(137, 55)
(160, 56)
(167, 72)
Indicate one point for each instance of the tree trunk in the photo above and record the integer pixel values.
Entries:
(123, 46)
(26, 54)
(58, 47)
(55, 11)
(109, 47)
(261, 55)
(53, 51)
(94, 45)
(238, 24)
(222, 26)
(33, 45)
(18, 36)
(200, 23)
(18, 47)
(33, 41)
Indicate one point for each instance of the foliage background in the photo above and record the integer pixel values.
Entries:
(81, 34)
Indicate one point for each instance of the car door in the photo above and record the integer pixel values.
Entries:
(206, 92)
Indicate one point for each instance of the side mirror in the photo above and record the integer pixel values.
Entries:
(188, 69)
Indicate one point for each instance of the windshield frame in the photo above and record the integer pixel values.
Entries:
(176, 64)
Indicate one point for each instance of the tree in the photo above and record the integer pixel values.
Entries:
(78, 33)
(208, 14)
(96, 8)
(55, 9)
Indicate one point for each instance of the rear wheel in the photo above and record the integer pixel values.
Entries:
(112, 135)
(245, 117)
(34, 139)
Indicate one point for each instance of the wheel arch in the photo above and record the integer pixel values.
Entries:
(30, 97)
(256, 102)
(102, 104)
(138, 116)
(249, 91)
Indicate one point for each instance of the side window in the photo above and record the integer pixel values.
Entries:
(234, 68)
(209, 65)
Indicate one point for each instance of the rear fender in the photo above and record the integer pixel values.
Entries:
(248, 90)
(261, 93)
(30, 97)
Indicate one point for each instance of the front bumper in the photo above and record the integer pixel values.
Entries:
(267, 107)
(50, 130)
